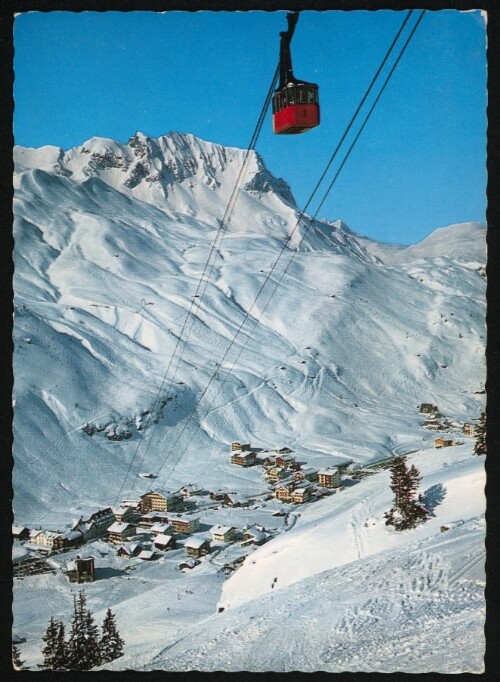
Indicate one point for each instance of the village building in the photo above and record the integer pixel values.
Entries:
(148, 520)
(469, 429)
(125, 514)
(20, 533)
(307, 474)
(282, 451)
(164, 542)
(286, 461)
(283, 492)
(274, 474)
(129, 550)
(243, 459)
(119, 532)
(253, 536)
(102, 519)
(302, 494)
(197, 547)
(81, 570)
(184, 524)
(235, 500)
(148, 555)
(223, 533)
(159, 528)
(44, 538)
(444, 442)
(190, 490)
(329, 478)
(427, 408)
(156, 500)
(69, 539)
(237, 446)
(217, 495)
(265, 458)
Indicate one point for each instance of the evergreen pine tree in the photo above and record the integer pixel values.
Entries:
(50, 648)
(17, 664)
(83, 644)
(480, 445)
(61, 649)
(406, 511)
(111, 644)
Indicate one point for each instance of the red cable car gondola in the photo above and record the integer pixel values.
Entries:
(295, 102)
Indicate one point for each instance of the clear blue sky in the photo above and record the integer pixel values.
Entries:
(419, 165)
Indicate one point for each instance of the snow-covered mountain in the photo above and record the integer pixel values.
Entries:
(113, 332)
(127, 303)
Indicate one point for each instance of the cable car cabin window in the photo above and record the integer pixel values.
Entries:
(290, 96)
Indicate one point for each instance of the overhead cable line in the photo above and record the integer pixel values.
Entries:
(203, 281)
(285, 246)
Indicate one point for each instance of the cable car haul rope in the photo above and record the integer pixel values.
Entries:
(281, 101)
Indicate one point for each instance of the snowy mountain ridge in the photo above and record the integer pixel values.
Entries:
(331, 362)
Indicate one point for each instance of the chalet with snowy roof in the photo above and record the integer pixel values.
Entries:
(129, 550)
(253, 536)
(282, 451)
(329, 478)
(148, 520)
(125, 514)
(265, 459)
(103, 518)
(148, 555)
(164, 542)
(197, 547)
(191, 489)
(223, 533)
(237, 446)
(286, 461)
(283, 492)
(159, 528)
(69, 539)
(81, 570)
(20, 533)
(243, 459)
(306, 474)
(469, 429)
(185, 524)
(428, 408)
(158, 500)
(133, 504)
(444, 442)
(235, 500)
(274, 474)
(301, 494)
(44, 538)
(119, 532)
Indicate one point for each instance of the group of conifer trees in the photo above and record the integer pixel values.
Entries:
(85, 648)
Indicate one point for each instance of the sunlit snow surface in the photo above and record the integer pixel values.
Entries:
(111, 240)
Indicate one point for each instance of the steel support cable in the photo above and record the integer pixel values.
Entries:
(278, 282)
(200, 289)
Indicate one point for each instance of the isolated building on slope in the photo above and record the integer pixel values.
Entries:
(237, 446)
(444, 442)
(20, 533)
(428, 408)
(81, 570)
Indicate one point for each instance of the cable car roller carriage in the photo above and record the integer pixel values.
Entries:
(295, 102)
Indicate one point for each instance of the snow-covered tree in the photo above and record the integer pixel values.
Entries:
(83, 644)
(480, 445)
(54, 651)
(17, 664)
(111, 644)
(406, 511)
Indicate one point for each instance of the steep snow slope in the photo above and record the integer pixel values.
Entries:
(111, 240)
(342, 591)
